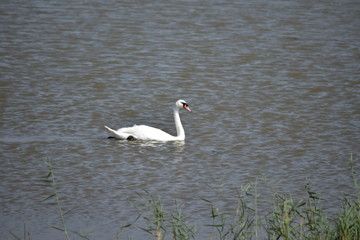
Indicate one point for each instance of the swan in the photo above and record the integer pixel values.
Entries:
(143, 132)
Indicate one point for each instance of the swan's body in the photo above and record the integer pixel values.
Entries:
(143, 132)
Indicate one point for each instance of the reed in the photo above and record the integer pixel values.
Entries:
(347, 223)
(159, 221)
(26, 234)
(302, 219)
(51, 177)
(240, 225)
(50, 180)
(181, 229)
(287, 218)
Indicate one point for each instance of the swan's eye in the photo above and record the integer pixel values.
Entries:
(185, 104)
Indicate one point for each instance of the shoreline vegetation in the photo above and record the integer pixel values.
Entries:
(287, 219)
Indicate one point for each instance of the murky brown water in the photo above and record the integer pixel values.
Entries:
(274, 87)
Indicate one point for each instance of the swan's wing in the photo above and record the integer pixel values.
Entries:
(144, 132)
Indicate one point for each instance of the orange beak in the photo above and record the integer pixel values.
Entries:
(187, 108)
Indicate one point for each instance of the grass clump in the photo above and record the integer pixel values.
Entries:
(347, 223)
(286, 218)
(302, 219)
(181, 229)
(242, 224)
(160, 222)
(305, 219)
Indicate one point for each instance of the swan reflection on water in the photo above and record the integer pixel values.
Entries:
(179, 145)
(175, 149)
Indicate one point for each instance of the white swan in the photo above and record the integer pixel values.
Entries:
(143, 132)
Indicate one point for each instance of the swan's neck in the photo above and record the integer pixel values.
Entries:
(179, 128)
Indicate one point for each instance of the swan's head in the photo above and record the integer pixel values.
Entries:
(182, 104)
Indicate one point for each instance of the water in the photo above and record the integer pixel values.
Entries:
(273, 85)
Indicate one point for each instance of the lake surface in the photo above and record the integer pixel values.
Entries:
(274, 87)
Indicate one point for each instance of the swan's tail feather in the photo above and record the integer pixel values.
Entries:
(117, 134)
(112, 131)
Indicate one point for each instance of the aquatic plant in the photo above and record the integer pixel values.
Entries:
(347, 223)
(51, 178)
(160, 222)
(302, 219)
(241, 225)
(287, 218)
(26, 234)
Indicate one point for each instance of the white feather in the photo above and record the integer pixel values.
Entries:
(146, 133)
